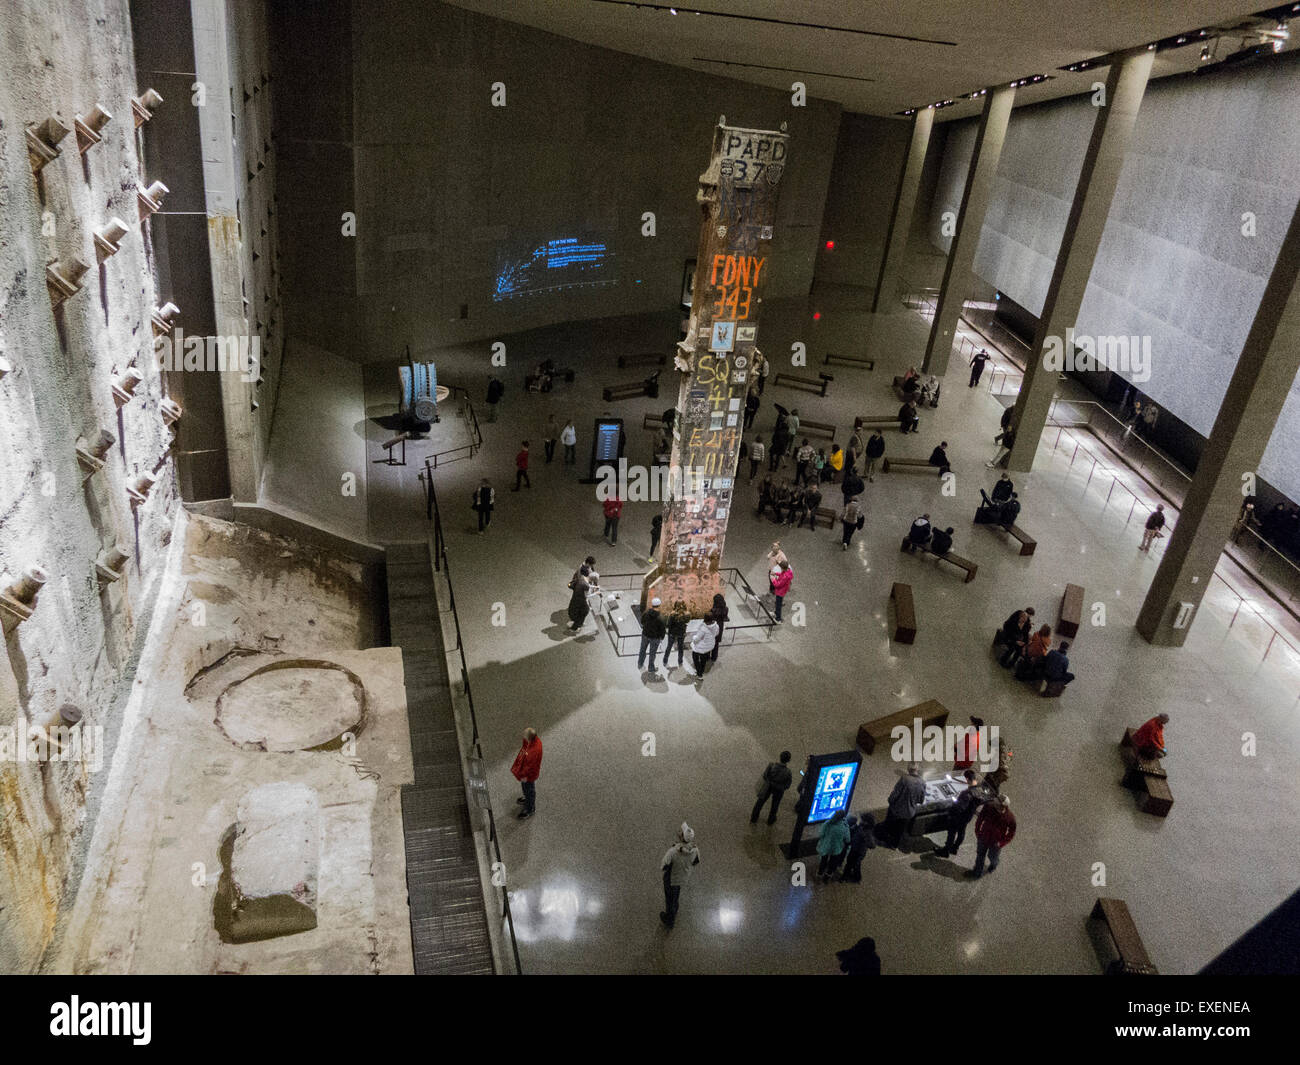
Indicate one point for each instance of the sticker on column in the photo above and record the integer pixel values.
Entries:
(724, 336)
(745, 334)
(765, 233)
(1184, 616)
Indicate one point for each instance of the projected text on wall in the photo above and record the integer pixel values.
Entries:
(554, 265)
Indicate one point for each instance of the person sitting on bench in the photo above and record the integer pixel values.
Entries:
(1004, 514)
(794, 505)
(1056, 665)
(939, 457)
(919, 534)
(930, 392)
(1149, 740)
(911, 382)
(941, 541)
(1031, 666)
(1002, 490)
(908, 419)
(1015, 635)
(812, 499)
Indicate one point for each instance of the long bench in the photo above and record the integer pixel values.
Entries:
(878, 419)
(1071, 611)
(1133, 957)
(1146, 777)
(632, 389)
(861, 361)
(961, 563)
(931, 712)
(828, 515)
(1027, 543)
(818, 429)
(649, 358)
(808, 384)
(904, 613)
(909, 464)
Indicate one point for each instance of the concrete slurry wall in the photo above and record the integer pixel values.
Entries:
(60, 58)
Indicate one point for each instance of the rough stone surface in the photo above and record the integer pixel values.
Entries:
(275, 862)
(291, 706)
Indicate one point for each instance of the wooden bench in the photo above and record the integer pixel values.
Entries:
(818, 429)
(1071, 611)
(828, 515)
(1133, 957)
(808, 384)
(653, 421)
(879, 419)
(1027, 542)
(961, 563)
(648, 358)
(632, 389)
(861, 361)
(1147, 777)
(908, 464)
(904, 613)
(931, 712)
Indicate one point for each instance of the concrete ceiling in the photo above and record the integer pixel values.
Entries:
(883, 56)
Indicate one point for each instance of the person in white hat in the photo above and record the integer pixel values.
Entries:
(681, 858)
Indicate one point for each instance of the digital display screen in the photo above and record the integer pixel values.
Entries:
(833, 790)
(551, 265)
(607, 434)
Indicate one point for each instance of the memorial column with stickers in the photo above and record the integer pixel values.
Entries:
(738, 196)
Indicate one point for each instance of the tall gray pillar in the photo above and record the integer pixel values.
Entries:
(970, 220)
(900, 222)
(1112, 130)
(1260, 385)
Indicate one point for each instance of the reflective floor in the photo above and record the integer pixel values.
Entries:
(628, 758)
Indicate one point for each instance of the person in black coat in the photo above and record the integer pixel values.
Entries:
(484, 502)
(860, 959)
(862, 838)
(939, 457)
(941, 541)
(721, 615)
(875, 449)
(1014, 634)
(1003, 489)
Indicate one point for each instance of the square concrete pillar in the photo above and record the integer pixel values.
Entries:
(970, 221)
(900, 221)
(1259, 387)
(1112, 130)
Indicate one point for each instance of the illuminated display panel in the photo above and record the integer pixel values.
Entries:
(554, 265)
(833, 791)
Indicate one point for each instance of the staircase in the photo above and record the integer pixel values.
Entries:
(449, 924)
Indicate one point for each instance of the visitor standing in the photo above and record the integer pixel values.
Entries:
(613, 511)
(773, 784)
(677, 621)
(803, 462)
(851, 520)
(484, 500)
(521, 468)
(961, 815)
(526, 770)
(656, 529)
(569, 438)
(977, 362)
(549, 437)
(756, 455)
(782, 578)
(721, 615)
(682, 857)
(751, 408)
(832, 844)
(995, 827)
(862, 838)
(875, 449)
(1155, 522)
(702, 644)
(907, 797)
(653, 630)
(578, 606)
(495, 390)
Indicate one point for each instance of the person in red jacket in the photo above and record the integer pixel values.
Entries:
(1150, 738)
(782, 578)
(613, 511)
(968, 745)
(527, 768)
(521, 468)
(995, 827)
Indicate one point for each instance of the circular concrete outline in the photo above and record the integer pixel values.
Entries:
(297, 663)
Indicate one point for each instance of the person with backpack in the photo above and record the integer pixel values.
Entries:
(483, 501)
(773, 784)
(918, 535)
(851, 520)
(613, 511)
(941, 541)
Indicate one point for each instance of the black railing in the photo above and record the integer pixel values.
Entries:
(465, 408)
(443, 565)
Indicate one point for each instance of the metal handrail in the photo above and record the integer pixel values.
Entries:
(442, 564)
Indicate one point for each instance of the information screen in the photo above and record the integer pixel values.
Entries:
(607, 434)
(833, 790)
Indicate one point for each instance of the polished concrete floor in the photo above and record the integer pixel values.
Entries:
(628, 758)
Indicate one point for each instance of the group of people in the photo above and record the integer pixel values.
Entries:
(704, 640)
(1030, 652)
(921, 534)
(981, 801)
(1000, 508)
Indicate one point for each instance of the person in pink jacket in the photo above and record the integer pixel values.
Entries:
(782, 578)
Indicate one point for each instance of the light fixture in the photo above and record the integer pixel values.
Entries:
(43, 142)
(144, 105)
(150, 199)
(108, 238)
(63, 280)
(88, 128)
